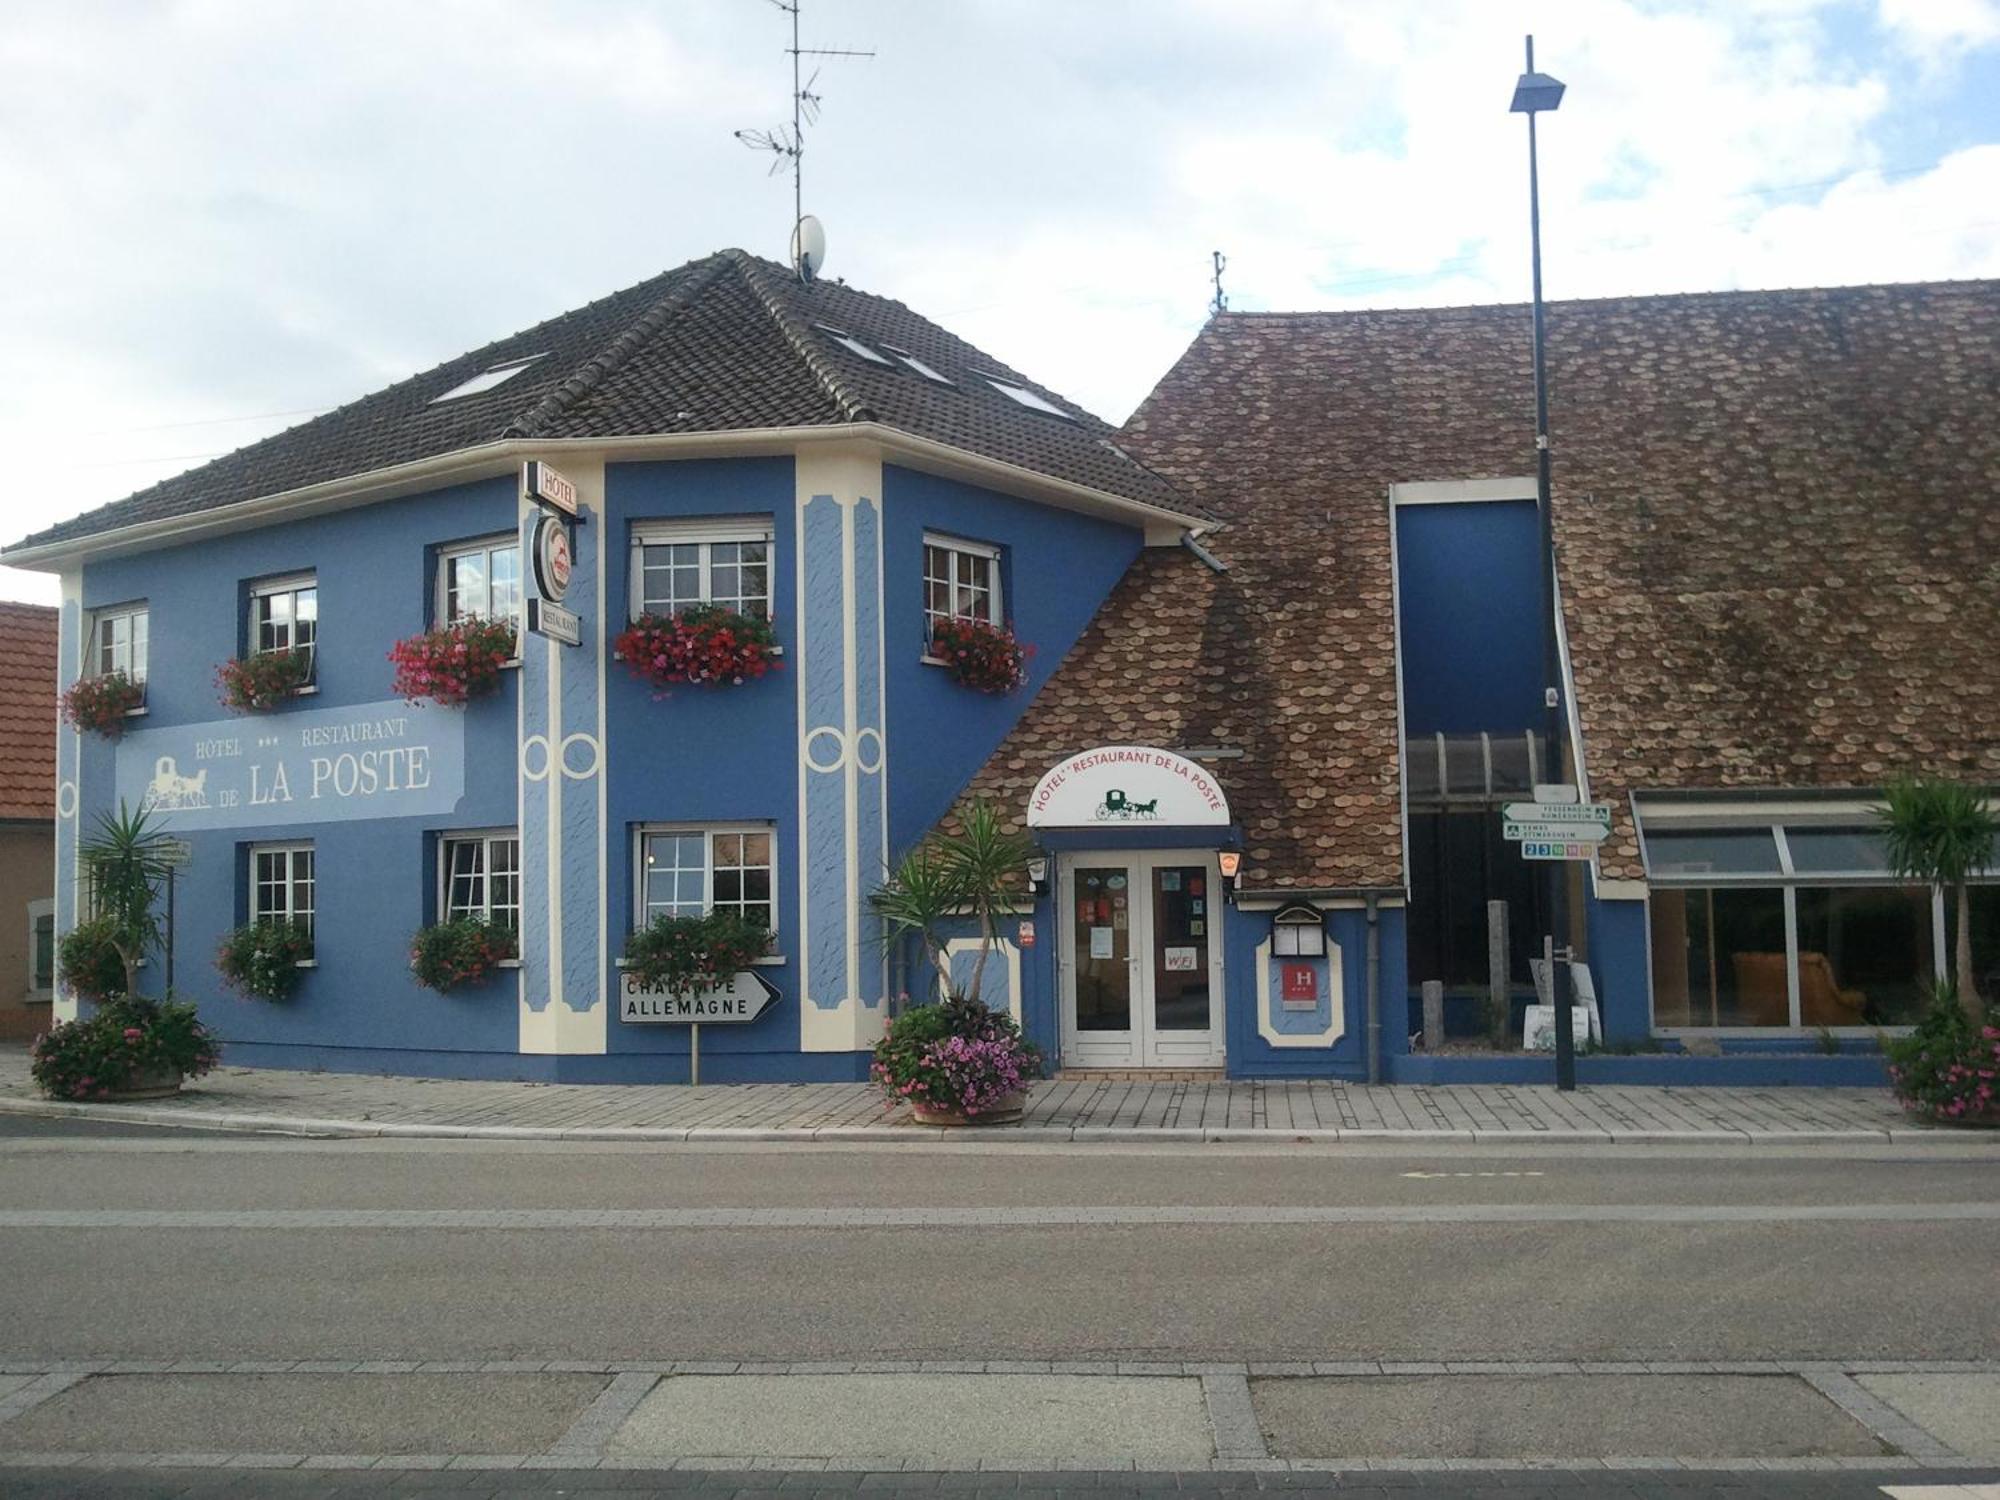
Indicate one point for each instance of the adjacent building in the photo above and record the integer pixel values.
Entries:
(27, 819)
(1286, 670)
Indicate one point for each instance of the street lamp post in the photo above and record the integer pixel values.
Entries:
(1534, 93)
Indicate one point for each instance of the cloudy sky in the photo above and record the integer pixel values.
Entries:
(222, 216)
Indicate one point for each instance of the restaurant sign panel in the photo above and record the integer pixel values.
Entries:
(371, 760)
(1119, 784)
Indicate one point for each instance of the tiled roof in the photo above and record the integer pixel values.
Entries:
(1778, 528)
(726, 343)
(27, 712)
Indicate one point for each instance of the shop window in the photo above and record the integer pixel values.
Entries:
(480, 877)
(1719, 957)
(1459, 861)
(686, 872)
(283, 885)
(1865, 956)
(480, 580)
(118, 642)
(284, 616)
(675, 565)
(1712, 851)
(961, 582)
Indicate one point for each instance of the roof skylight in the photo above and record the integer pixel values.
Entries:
(1025, 397)
(854, 345)
(918, 365)
(487, 379)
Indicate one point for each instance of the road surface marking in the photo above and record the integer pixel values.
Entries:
(1193, 1215)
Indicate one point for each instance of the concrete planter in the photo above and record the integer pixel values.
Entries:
(1007, 1112)
(147, 1083)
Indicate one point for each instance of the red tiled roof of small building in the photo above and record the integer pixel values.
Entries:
(1778, 524)
(27, 712)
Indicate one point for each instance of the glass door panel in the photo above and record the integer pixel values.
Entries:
(1103, 939)
(1180, 948)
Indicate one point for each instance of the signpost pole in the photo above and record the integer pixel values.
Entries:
(170, 929)
(694, 1054)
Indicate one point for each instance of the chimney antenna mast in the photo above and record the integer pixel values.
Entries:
(1219, 303)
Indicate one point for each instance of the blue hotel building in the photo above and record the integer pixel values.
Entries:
(1286, 671)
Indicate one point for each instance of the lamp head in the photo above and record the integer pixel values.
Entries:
(1535, 93)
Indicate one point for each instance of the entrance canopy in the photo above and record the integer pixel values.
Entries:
(1127, 784)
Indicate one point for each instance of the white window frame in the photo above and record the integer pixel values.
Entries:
(956, 547)
(138, 610)
(707, 534)
(37, 910)
(291, 583)
(291, 850)
(486, 838)
(708, 831)
(480, 546)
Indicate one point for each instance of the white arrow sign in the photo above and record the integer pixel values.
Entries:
(744, 998)
(1557, 812)
(1574, 833)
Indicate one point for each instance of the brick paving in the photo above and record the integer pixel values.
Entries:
(1070, 1109)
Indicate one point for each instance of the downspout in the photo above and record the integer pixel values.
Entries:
(1374, 992)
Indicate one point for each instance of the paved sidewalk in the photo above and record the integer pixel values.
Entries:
(1080, 1110)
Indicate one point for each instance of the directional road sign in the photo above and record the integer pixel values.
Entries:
(1541, 829)
(746, 997)
(1559, 812)
(1548, 849)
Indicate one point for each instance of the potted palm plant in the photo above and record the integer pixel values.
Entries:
(954, 1060)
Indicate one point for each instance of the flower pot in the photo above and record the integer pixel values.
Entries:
(1007, 1111)
(145, 1083)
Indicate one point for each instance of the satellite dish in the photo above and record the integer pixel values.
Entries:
(808, 247)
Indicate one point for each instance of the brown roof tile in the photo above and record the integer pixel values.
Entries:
(27, 711)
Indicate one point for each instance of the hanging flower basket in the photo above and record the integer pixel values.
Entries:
(99, 704)
(981, 656)
(263, 681)
(455, 662)
(462, 951)
(701, 644)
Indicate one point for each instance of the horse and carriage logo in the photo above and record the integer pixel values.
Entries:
(1116, 805)
(170, 791)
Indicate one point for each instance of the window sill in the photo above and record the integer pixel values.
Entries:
(305, 963)
(508, 963)
(136, 713)
(768, 961)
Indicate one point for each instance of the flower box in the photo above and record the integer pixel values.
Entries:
(462, 951)
(100, 704)
(700, 644)
(980, 655)
(455, 662)
(263, 681)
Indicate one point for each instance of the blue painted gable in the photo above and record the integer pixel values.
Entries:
(1469, 595)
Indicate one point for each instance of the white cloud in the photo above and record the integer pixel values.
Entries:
(226, 208)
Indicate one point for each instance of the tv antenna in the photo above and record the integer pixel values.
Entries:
(787, 144)
(1219, 303)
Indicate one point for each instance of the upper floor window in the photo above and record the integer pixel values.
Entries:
(481, 579)
(119, 642)
(481, 876)
(42, 947)
(676, 564)
(487, 379)
(283, 886)
(284, 616)
(688, 872)
(961, 581)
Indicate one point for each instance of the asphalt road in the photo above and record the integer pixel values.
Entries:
(1732, 1273)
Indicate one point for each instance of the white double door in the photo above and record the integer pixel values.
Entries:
(1141, 960)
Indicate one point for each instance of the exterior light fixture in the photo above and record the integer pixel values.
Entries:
(1229, 861)
(1534, 93)
(1038, 874)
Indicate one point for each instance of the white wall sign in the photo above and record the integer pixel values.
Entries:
(1118, 784)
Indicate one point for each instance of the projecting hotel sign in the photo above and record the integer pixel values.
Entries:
(373, 760)
(1127, 784)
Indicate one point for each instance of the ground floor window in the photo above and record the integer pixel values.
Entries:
(686, 872)
(282, 885)
(42, 947)
(481, 876)
(1722, 956)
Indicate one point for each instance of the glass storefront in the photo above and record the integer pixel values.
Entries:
(1719, 958)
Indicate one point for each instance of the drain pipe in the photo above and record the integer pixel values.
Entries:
(1374, 991)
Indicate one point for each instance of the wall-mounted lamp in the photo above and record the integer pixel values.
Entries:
(1038, 874)
(1229, 861)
